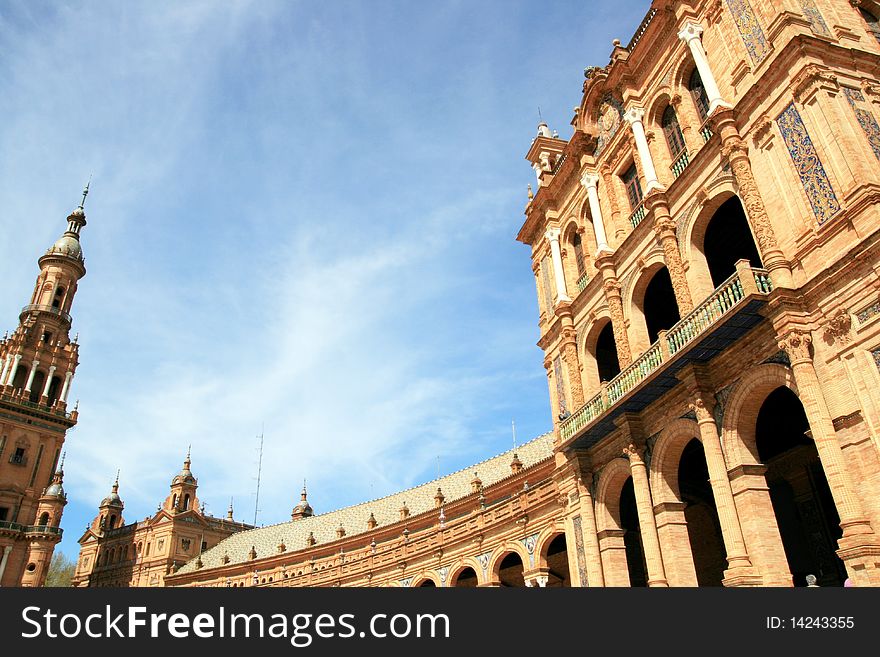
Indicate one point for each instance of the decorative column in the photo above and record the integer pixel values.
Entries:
(664, 229)
(611, 195)
(740, 571)
(859, 547)
(734, 148)
(66, 387)
(647, 524)
(634, 116)
(611, 287)
(690, 34)
(552, 236)
(568, 347)
(6, 363)
(14, 370)
(6, 550)
(52, 369)
(591, 182)
(31, 376)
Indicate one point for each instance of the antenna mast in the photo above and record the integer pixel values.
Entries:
(259, 474)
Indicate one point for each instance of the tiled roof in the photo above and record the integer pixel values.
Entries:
(386, 510)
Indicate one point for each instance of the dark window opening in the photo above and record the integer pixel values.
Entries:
(701, 515)
(578, 247)
(632, 536)
(510, 571)
(633, 186)
(728, 239)
(557, 563)
(18, 457)
(698, 93)
(873, 23)
(37, 386)
(4, 513)
(672, 130)
(606, 354)
(661, 308)
(44, 519)
(428, 584)
(467, 579)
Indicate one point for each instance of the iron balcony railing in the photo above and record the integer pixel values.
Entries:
(680, 163)
(29, 404)
(582, 281)
(33, 308)
(695, 324)
(638, 214)
(11, 526)
(43, 529)
(706, 131)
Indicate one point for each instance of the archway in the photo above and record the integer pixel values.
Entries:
(659, 305)
(701, 516)
(802, 503)
(728, 238)
(632, 536)
(607, 361)
(557, 563)
(467, 578)
(427, 584)
(37, 386)
(510, 571)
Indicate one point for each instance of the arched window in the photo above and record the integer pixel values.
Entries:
(578, 247)
(633, 186)
(672, 130)
(873, 23)
(44, 519)
(112, 521)
(698, 93)
(185, 502)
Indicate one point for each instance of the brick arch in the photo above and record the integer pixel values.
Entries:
(665, 458)
(498, 556)
(589, 364)
(569, 265)
(611, 480)
(466, 562)
(741, 411)
(421, 578)
(634, 299)
(654, 110)
(694, 234)
(542, 543)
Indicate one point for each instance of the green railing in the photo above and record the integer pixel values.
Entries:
(582, 281)
(706, 131)
(637, 215)
(680, 163)
(696, 323)
(43, 529)
(39, 407)
(14, 526)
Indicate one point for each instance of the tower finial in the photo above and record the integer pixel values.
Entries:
(116, 483)
(540, 117)
(61, 463)
(85, 192)
(513, 427)
(188, 451)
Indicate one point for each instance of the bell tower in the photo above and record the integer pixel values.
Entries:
(37, 364)
(183, 490)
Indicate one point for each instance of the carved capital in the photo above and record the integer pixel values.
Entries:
(611, 287)
(762, 128)
(675, 101)
(690, 31)
(590, 179)
(635, 453)
(734, 146)
(634, 115)
(797, 345)
(702, 406)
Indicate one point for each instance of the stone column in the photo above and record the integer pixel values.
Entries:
(65, 389)
(591, 181)
(740, 571)
(664, 229)
(647, 525)
(30, 380)
(14, 370)
(6, 550)
(634, 116)
(734, 148)
(859, 546)
(6, 363)
(552, 236)
(690, 34)
(611, 287)
(52, 369)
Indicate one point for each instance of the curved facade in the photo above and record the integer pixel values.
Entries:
(705, 249)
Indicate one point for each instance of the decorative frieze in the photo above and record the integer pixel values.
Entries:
(806, 161)
(867, 313)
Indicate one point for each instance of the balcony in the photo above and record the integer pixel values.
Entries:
(6, 526)
(637, 215)
(680, 163)
(729, 312)
(36, 308)
(53, 412)
(582, 281)
(43, 529)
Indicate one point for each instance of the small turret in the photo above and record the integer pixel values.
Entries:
(110, 510)
(303, 509)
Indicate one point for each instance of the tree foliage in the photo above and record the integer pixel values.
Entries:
(60, 570)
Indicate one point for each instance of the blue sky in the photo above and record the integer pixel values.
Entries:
(302, 218)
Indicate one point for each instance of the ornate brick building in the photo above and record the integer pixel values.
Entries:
(37, 364)
(706, 250)
(143, 553)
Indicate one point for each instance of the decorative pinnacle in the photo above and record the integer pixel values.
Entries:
(85, 193)
(61, 463)
(116, 483)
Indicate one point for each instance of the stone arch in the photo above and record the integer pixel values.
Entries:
(591, 243)
(589, 109)
(569, 230)
(543, 540)
(654, 121)
(592, 362)
(738, 424)
(665, 457)
(611, 480)
(500, 553)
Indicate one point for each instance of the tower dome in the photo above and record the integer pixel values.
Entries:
(303, 509)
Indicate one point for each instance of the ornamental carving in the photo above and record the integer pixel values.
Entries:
(762, 127)
(837, 328)
(634, 453)
(811, 78)
(734, 146)
(797, 345)
(702, 407)
(666, 235)
(754, 205)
